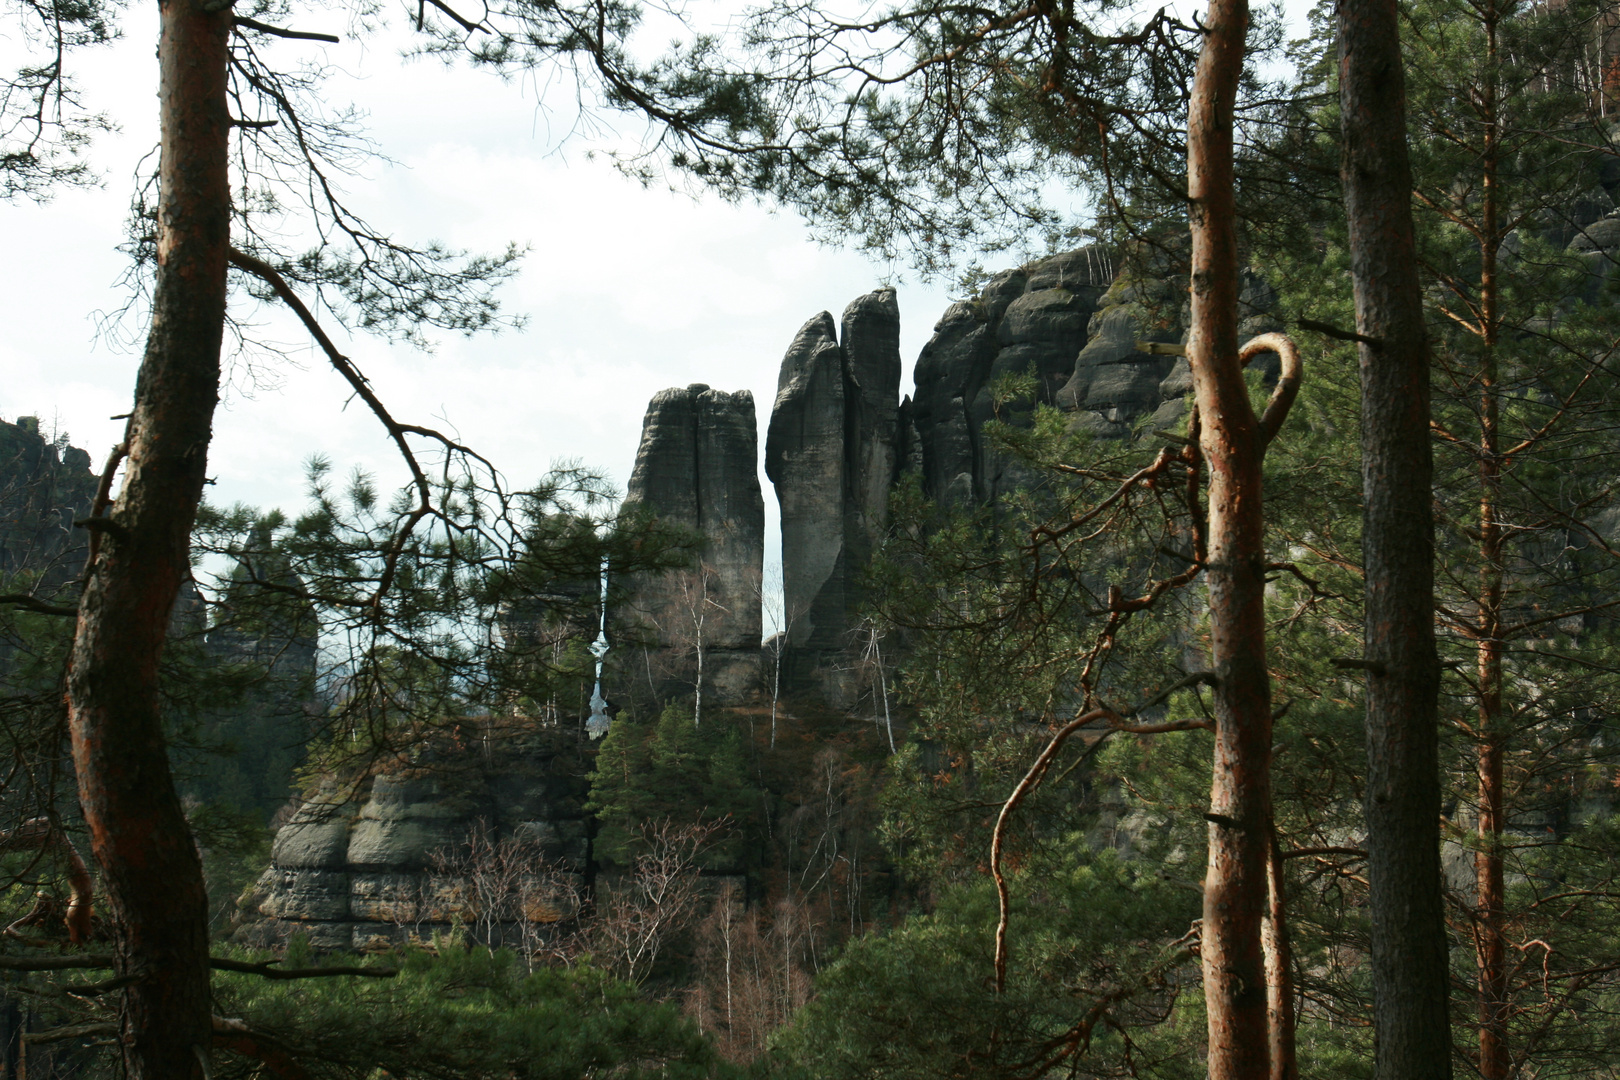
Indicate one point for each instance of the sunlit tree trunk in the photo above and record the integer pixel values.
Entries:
(1235, 890)
(149, 865)
(1410, 1018)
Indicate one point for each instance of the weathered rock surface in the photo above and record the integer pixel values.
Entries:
(833, 450)
(698, 467)
(44, 486)
(391, 860)
(1073, 322)
(1031, 321)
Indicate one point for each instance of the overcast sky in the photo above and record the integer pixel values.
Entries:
(626, 290)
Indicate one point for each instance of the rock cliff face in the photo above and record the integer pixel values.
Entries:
(44, 486)
(698, 467)
(833, 451)
(1033, 319)
(354, 869)
(393, 862)
(838, 441)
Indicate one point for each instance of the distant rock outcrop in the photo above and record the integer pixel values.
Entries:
(407, 854)
(1068, 327)
(833, 451)
(44, 486)
(264, 639)
(698, 467)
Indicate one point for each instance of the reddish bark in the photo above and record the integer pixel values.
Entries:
(1233, 439)
(46, 834)
(149, 865)
(1403, 779)
(237, 1037)
(1279, 972)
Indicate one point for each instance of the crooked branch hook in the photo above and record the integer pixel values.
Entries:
(1287, 389)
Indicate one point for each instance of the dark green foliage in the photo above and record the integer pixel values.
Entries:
(677, 771)
(1092, 931)
(44, 127)
(451, 1013)
(489, 600)
(467, 1014)
(1005, 615)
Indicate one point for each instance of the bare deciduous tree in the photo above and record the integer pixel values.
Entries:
(510, 893)
(755, 970)
(637, 916)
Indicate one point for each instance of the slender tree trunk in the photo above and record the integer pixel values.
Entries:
(138, 833)
(1235, 893)
(1279, 971)
(1490, 900)
(776, 685)
(697, 695)
(1403, 766)
(1490, 915)
(883, 684)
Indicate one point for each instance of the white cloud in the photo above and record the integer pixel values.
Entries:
(627, 290)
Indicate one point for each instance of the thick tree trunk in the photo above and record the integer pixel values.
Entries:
(1403, 779)
(149, 865)
(1235, 891)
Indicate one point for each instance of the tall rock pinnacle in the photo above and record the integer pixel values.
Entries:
(697, 467)
(832, 452)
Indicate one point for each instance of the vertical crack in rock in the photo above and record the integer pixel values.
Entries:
(832, 451)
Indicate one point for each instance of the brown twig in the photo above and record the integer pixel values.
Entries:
(267, 970)
(237, 1037)
(71, 1031)
(1328, 330)
(32, 603)
(301, 35)
(1043, 762)
(1301, 853)
(1025, 786)
(396, 430)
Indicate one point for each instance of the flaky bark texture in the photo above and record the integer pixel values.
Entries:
(1235, 892)
(1403, 780)
(149, 866)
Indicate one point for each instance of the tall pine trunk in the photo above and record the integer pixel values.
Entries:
(1236, 904)
(149, 864)
(1490, 901)
(1413, 1039)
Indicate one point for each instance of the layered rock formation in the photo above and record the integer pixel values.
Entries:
(1073, 321)
(697, 467)
(1033, 319)
(833, 451)
(405, 856)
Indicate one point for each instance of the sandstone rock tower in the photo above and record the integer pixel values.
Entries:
(832, 451)
(697, 467)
